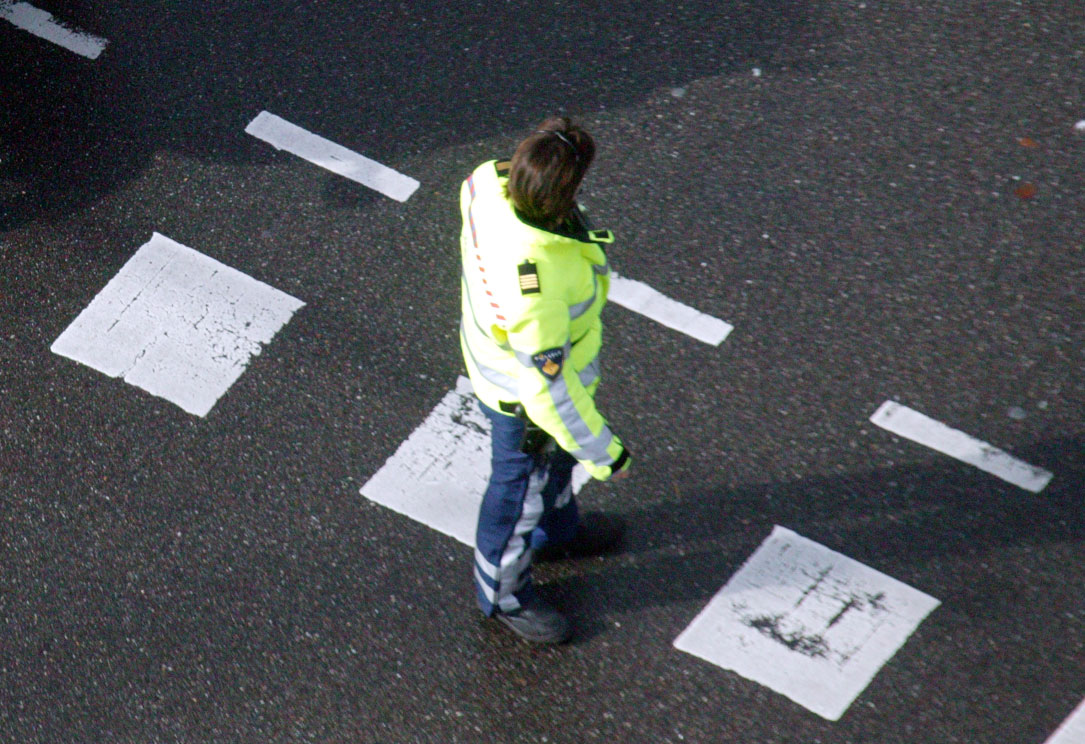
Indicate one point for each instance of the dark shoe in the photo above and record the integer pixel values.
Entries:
(537, 622)
(595, 535)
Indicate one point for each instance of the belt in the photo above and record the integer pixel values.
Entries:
(512, 408)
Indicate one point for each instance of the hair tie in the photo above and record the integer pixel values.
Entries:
(561, 137)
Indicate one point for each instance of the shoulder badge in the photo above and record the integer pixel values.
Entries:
(529, 278)
(549, 362)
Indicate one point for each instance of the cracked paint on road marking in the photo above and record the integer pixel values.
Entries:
(438, 475)
(41, 24)
(177, 324)
(282, 135)
(807, 622)
(924, 430)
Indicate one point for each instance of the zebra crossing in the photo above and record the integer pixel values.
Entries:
(805, 621)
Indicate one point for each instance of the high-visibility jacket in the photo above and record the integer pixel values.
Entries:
(530, 330)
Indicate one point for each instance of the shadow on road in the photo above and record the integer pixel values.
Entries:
(188, 77)
(898, 520)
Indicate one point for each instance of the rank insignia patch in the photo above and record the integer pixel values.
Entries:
(549, 362)
(529, 278)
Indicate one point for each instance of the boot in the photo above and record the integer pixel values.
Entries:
(536, 622)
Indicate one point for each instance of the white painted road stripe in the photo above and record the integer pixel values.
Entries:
(40, 23)
(283, 135)
(1072, 730)
(438, 475)
(177, 324)
(807, 622)
(640, 298)
(913, 425)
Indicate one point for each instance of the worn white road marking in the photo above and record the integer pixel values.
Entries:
(1072, 730)
(913, 425)
(177, 324)
(283, 135)
(438, 475)
(640, 298)
(807, 622)
(41, 24)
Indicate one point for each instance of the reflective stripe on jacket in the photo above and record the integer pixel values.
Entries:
(531, 331)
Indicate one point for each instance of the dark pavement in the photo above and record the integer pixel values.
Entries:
(854, 209)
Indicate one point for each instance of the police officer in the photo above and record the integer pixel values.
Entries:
(534, 282)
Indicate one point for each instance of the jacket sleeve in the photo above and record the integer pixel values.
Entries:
(553, 395)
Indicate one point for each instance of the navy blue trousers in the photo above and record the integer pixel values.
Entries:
(528, 503)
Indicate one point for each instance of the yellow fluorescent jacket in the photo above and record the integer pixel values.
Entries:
(531, 302)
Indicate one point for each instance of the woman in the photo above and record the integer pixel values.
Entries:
(534, 282)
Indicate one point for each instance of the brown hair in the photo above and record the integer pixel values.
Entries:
(547, 169)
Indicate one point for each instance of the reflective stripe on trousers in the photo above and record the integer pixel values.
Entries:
(527, 504)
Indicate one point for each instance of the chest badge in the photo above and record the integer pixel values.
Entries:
(529, 278)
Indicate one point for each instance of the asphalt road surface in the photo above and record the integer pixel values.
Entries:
(885, 199)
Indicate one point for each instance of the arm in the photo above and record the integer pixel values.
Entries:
(553, 395)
